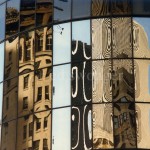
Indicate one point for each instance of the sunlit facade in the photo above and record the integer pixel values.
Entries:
(75, 74)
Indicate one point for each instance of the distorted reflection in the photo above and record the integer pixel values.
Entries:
(123, 81)
(2, 62)
(43, 12)
(143, 125)
(43, 88)
(11, 58)
(61, 127)
(27, 14)
(141, 37)
(1, 101)
(121, 43)
(101, 79)
(12, 17)
(61, 84)
(2, 21)
(25, 94)
(10, 96)
(101, 38)
(26, 52)
(43, 48)
(62, 10)
(25, 133)
(81, 8)
(102, 126)
(62, 43)
(9, 135)
(124, 125)
(42, 131)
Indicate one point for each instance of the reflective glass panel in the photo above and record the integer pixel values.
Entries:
(81, 8)
(43, 89)
(121, 37)
(43, 12)
(2, 62)
(62, 10)
(143, 125)
(25, 132)
(141, 37)
(8, 141)
(61, 127)
(124, 125)
(81, 41)
(101, 79)
(100, 7)
(1, 101)
(101, 38)
(11, 58)
(141, 7)
(10, 97)
(102, 126)
(61, 85)
(62, 44)
(25, 94)
(1, 1)
(12, 17)
(123, 81)
(121, 7)
(142, 80)
(27, 14)
(42, 131)
(2, 21)
(26, 52)
(43, 48)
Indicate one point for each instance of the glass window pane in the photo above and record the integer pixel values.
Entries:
(43, 89)
(42, 131)
(102, 126)
(141, 37)
(24, 132)
(81, 41)
(121, 37)
(12, 17)
(27, 14)
(62, 44)
(1, 1)
(141, 7)
(102, 89)
(61, 128)
(121, 7)
(123, 81)
(1, 101)
(100, 7)
(2, 21)
(101, 38)
(2, 62)
(10, 97)
(43, 12)
(124, 125)
(62, 10)
(61, 86)
(142, 80)
(81, 8)
(11, 58)
(26, 52)
(143, 125)
(9, 135)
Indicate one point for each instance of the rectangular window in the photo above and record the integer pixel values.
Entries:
(45, 122)
(39, 96)
(36, 145)
(10, 56)
(20, 52)
(24, 132)
(45, 145)
(26, 78)
(49, 42)
(40, 43)
(40, 74)
(30, 129)
(7, 103)
(48, 71)
(46, 92)
(38, 124)
(25, 102)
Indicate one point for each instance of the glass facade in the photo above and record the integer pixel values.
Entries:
(75, 74)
